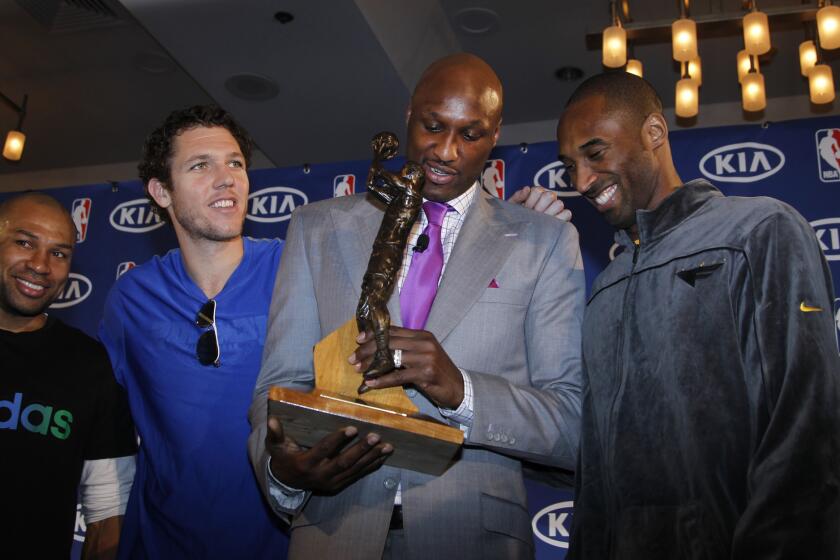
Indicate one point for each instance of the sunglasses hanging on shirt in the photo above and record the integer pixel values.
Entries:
(207, 350)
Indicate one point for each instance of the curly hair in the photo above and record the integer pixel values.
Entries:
(157, 149)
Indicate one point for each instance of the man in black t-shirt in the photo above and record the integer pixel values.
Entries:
(64, 421)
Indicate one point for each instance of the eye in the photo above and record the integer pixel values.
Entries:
(198, 166)
(433, 127)
(471, 136)
(24, 243)
(596, 155)
(237, 164)
(60, 254)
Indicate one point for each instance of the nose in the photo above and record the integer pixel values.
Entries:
(39, 262)
(582, 178)
(446, 150)
(224, 178)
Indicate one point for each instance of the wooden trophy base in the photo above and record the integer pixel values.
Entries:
(420, 444)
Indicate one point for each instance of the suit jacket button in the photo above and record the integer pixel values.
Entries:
(390, 483)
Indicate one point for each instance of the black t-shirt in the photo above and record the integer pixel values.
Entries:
(59, 406)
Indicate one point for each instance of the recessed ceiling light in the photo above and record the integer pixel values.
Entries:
(477, 21)
(284, 17)
(252, 87)
(568, 73)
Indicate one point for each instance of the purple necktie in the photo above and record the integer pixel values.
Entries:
(421, 282)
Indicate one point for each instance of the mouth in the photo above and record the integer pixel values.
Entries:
(605, 197)
(29, 288)
(223, 203)
(439, 174)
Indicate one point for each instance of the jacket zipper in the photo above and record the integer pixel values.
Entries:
(611, 499)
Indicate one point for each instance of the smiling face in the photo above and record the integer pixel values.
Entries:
(610, 159)
(36, 246)
(208, 193)
(453, 123)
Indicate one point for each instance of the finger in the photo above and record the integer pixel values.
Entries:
(396, 378)
(274, 437)
(331, 444)
(565, 215)
(353, 453)
(363, 352)
(367, 463)
(520, 196)
(545, 200)
(554, 208)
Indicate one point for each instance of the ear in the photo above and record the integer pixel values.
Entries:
(654, 131)
(160, 193)
(497, 132)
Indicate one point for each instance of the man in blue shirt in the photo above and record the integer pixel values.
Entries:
(185, 333)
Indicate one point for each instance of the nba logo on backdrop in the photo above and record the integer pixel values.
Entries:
(828, 154)
(344, 185)
(81, 216)
(493, 178)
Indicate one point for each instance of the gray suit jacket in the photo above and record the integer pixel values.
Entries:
(520, 343)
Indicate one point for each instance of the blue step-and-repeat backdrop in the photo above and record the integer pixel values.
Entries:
(795, 161)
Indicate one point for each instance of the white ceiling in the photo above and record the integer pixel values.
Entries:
(342, 68)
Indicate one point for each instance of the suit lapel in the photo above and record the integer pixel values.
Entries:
(356, 228)
(483, 245)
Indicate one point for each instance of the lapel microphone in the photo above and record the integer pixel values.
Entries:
(422, 243)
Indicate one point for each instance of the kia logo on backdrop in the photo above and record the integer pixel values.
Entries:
(553, 176)
(135, 216)
(493, 177)
(551, 524)
(742, 163)
(344, 185)
(274, 204)
(75, 291)
(81, 216)
(828, 154)
(828, 236)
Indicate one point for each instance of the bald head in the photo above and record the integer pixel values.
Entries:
(453, 123)
(466, 74)
(623, 93)
(31, 201)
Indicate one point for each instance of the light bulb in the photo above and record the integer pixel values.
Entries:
(744, 64)
(615, 47)
(687, 98)
(684, 39)
(634, 67)
(807, 56)
(752, 92)
(13, 148)
(821, 84)
(695, 70)
(756, 33)
(828, 26)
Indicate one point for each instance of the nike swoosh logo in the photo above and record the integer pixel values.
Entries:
(807, 308)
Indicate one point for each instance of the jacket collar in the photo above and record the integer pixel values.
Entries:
(681, 204)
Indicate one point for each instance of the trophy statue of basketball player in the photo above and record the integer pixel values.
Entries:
(401, 192)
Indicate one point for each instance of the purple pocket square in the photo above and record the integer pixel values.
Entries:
(493, 284)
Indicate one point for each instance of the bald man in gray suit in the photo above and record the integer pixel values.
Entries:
(499, 355)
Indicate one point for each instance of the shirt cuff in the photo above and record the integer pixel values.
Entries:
(465, 412)
(104, 487)
(286, 499)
